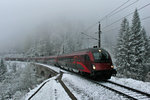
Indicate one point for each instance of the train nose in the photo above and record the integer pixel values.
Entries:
(102, 66)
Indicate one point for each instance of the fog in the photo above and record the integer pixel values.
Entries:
(21, 18)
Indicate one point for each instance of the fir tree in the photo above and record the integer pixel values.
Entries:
(136, 48)
(145, 53)
(148, 60)
(146, 45)
(122, 56)
(3, 70)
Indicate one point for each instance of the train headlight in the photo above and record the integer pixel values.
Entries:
(94, 67)
(112, 66)
(100, 51)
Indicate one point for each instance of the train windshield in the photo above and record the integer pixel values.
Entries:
(101, 57)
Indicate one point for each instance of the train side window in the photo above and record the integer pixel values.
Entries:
(86, 57)
(78, 59)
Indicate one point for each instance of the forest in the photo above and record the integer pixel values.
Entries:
(130, 52)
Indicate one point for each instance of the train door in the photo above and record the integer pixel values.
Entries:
(76, 69)
(87, 61)
(75, 61)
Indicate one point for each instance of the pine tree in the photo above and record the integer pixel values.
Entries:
(148, 60)
(3, 70)
(136, 48)
(122, 56)
(146, 46)
(146, 53)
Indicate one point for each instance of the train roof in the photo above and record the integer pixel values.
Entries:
(92, 49)
(82, 52)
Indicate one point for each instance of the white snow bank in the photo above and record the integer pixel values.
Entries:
(86, 90)
(140, 85)
(17, 64)
(52, 90)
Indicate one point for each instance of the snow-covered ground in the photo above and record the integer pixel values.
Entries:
(136, 84)
(18, 80)
(83, 89)
(52, 90)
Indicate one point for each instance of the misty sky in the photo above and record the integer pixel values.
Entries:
(20, 18)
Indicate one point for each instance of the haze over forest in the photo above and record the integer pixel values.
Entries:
(23, 19)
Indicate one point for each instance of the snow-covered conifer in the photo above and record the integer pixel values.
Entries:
(146, 45)
(148, 60)
(122, 60)
(3, 68)
(136, 47)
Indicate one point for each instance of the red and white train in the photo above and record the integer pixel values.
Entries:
(95, 62)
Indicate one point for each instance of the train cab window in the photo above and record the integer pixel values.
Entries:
(101, 57)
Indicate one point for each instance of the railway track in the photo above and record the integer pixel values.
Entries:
(58, 79)
(128, 92)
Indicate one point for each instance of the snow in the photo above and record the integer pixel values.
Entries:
(82, 88)
(19, 65)
(52, 90)
(140, 85)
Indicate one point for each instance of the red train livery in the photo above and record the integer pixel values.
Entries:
(95, 62)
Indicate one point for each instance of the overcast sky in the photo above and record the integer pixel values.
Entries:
(18, 18)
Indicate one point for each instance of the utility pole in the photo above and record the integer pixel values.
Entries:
(63, 49)
(99, 35)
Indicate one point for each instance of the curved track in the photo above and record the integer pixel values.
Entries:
(54, 73)
(124, 90)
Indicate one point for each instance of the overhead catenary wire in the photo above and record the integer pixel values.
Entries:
(114, 10)
(116, 20)
(146, 18)
(119, 26)
(101, 19)
(126, 16)
(124, 8)
(89, 36)
(106, 16)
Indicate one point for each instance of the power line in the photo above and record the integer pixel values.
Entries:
(119, 26)
(106, 16)
(126, 15)
(116, 20)
(114, 10)
(89, 36)
(124, 8)
(112, 29)
(146, 18)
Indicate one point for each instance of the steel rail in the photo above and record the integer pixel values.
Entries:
(146, 95)
(129, 88)
(54, 72)
(119, 92)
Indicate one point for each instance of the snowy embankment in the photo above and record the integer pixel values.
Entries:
(18, 80)
(52, 90)
(22, 78)
(139, 85)
(83, 89)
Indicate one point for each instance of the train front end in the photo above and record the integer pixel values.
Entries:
(102, 64)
